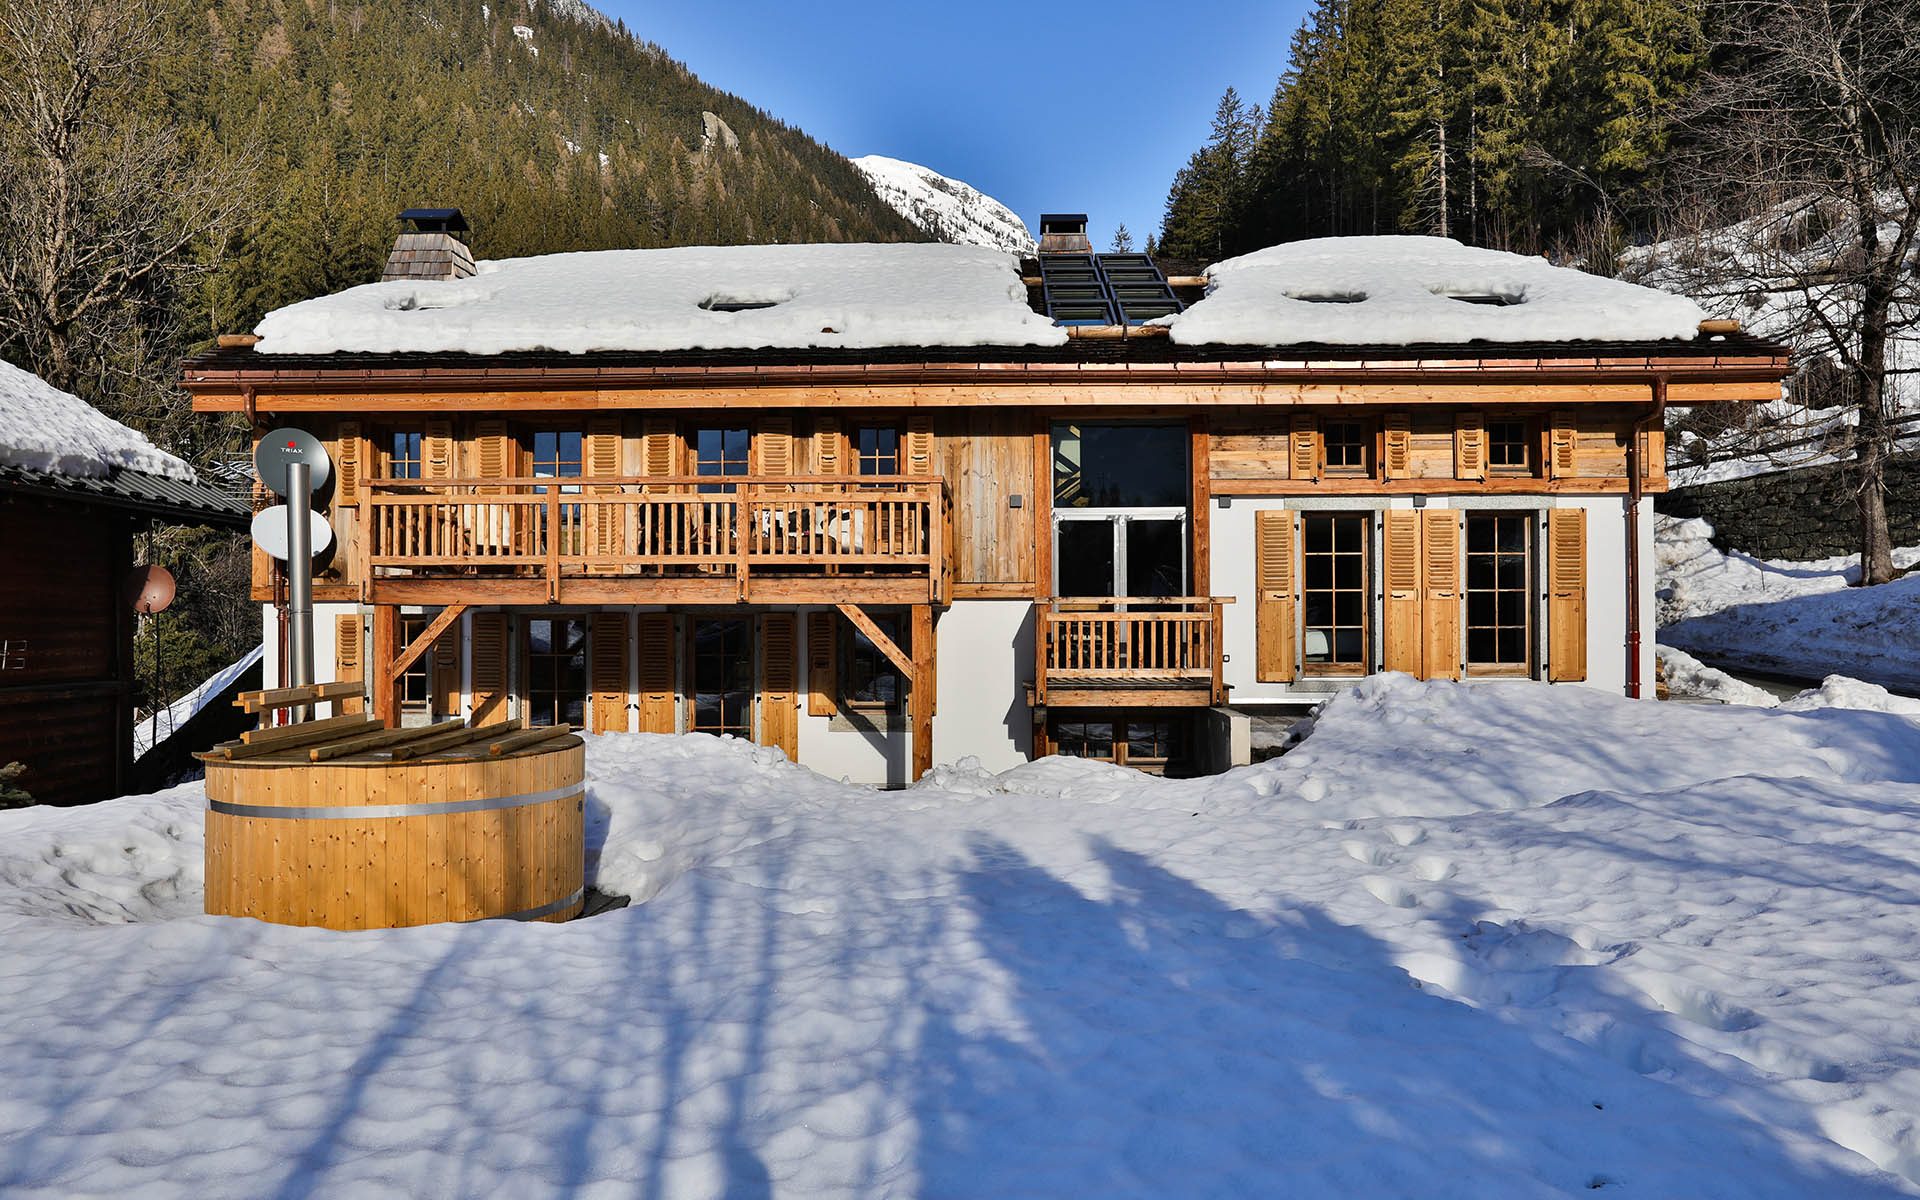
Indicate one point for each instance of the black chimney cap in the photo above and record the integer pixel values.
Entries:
(1063, 223)
(435, 220)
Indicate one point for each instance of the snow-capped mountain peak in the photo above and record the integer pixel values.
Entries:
(946, 208)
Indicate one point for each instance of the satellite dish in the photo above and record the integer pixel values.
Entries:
(270, 531)
(149, 589)
(286, 446)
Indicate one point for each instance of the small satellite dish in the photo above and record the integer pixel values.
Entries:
(270, 531)
(283, 447)
(149, 589)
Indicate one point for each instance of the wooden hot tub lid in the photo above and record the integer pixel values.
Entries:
(363, 741)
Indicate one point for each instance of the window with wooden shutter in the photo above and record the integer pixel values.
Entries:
(446, 672)
(1440, 563)
(490, 684)
(348, 647)
(774, 444)
(1562, 444)
(780, 683)
(660, 442)
(920, 444)
(1567, 594)
(1274, 614)
(1401, 614)
(822, 692)
(1469, 445)
(604, 520)
(1397, 445)
(659, 652)
(349, 464)
(609, 682)
(439, 450)
(826, 445)
(1303, 447)
(494, 448)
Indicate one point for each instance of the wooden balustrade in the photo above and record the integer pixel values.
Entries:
(841, 525)
(1105, 651)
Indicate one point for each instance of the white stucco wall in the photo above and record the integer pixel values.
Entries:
(325, 621)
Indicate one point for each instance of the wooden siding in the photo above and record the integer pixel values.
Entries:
(987, 459)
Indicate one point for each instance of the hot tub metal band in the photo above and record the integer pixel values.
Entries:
(352, 812)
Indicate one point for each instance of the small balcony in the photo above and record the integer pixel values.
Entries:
(1148, 651)
(657, 539)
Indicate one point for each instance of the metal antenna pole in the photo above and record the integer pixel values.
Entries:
(300, 576)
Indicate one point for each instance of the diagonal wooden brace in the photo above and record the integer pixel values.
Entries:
(881, 641)
(406, 658)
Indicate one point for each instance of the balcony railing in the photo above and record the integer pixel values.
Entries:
(658, 527)
(1130, 650)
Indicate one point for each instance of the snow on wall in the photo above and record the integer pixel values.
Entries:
(819, 295)
(946, 208)
(45, 429)
(1403, 291)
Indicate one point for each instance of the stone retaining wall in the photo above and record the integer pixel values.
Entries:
(1800, 514)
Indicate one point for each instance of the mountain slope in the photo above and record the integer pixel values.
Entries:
(946, 209)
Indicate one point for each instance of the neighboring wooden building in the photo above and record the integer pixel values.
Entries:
(69, 512)
(880, 555)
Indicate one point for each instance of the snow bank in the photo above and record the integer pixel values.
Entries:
(45, 429)
(1688, 676)
(1401, 291)
(1637, 947)
(1799, 619)
(820, 295)
(945, 208)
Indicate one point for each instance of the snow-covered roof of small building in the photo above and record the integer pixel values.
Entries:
(45, 429)
(1419, 290)
(856, 296)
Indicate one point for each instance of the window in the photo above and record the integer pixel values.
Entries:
(415, 684)
(557, 455)
(1147, 741)
(877, 449)
(721, 452)
(1507, 447)
(1120, 466)
(872, 681)
(1499, 558)
(557, 671)
(1346, 443)
(1333, 593)
(721, 694)
(403, 454)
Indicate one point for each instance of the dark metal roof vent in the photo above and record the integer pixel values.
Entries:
(1064, 233)
(426, 247)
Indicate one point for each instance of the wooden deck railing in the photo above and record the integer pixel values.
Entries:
(1164, 644)
(659, 525)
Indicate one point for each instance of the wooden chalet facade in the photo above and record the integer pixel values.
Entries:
(874, 558)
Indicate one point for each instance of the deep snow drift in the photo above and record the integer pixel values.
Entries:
(1502, 940)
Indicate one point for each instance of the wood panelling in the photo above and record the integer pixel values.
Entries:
(987, 459)
(1275, 611)
(1567, 594)
(59, 595)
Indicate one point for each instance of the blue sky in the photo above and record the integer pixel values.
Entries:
(1081, 108)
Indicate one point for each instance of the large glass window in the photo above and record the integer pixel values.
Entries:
(1120, 554)
(722, 690)
(1499, 562)
(721, 452)
(557, 671)
(1120, 466)
(1333, 593)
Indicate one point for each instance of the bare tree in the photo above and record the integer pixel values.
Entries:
(103, 203)
(1796, 204)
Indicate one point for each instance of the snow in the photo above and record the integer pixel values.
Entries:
(1688, 676)
(945, 208)
(182, 710)
(1799, 619)
(1401, 291)
(822, 295)
(45, 429)
(1464, 941)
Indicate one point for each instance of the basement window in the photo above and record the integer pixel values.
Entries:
(729, 304)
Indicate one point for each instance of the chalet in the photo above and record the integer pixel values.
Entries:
(76, 488)
(878, 505)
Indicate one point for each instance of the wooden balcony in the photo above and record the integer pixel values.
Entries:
(1130, 651)
(657, 540)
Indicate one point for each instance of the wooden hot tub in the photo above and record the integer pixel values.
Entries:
(386, 837)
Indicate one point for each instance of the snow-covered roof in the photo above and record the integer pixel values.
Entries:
(45, 429)
(1415, 290)
(855, 296)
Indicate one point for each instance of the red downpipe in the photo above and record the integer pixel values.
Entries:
(1635, 472)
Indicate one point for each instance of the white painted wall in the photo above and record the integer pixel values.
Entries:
(325, 656)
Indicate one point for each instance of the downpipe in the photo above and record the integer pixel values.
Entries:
(1635, 490)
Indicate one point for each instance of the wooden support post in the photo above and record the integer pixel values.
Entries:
(1043, 511)
(740, 514)
(1200, 527)
(1216, 639)
(381, 680)
(553, 545)
(419, 645)
(923, 685)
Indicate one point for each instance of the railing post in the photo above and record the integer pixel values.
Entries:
(1040, 652)
(553, 544)
(741, 503)
(1214, 643)
(365, 555)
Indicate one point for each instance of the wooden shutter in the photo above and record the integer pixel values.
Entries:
(1277, 589)
(446, 672)
(490, 685)
(1440, 563)
(660, 444)
(603, 448)
(780, 683)
(822, 698)
(610, 672)
(349, 466)
(1567, 594)
(1653, 457)
(1400, 616)
(920, 444)
(658, 652)
(1397, 445)
(603, 520)
(826, 445)
(438, 451)
(775, 446)
(1303, 447)
(1469, 445)
(1562, 443)
(348, 646)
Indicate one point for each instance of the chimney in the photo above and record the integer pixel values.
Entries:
(426, 247)
(1064, 233)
